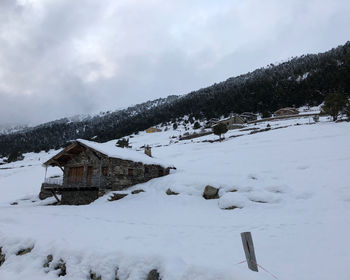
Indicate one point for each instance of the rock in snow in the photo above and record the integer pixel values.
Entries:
(170, 192)
(153, 275)
(211, 192)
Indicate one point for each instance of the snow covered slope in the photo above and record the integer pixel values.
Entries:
(291, 186)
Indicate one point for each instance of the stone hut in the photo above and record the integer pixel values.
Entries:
(286, 111)
(89, 168)
(232, 122)
(248, 116)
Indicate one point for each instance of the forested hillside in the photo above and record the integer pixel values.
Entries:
(301, 81)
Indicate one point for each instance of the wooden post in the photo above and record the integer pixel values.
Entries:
(54, 194)
(248, 246)
(45, 173)
(99, 179)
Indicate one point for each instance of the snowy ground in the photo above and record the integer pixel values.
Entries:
(292, 189)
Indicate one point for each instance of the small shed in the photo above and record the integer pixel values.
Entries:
(89, 168)
(232, 122)
(153, 130)
(211, 123)
(248, 116)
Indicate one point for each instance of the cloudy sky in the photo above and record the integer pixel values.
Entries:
(63, 57)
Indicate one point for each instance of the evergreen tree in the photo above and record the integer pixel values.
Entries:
(220, 129)
(15, 156)
(347, 110)
(266, 114)
(196, 125)
(334, 103)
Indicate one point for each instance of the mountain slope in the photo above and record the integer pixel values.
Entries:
(301, 81)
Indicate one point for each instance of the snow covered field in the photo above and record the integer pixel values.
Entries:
(291, 187)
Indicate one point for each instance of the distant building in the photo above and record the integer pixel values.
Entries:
(89, 168)
(153, 129)
(248, 116)
(286, 111)
(211, 123)
(232, 122)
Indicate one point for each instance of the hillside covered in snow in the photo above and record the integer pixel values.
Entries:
(288, 185)
(301, 81)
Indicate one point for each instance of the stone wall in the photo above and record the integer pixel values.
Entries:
(125, 173)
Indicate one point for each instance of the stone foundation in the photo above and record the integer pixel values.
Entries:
(44, 193)
(78, 197)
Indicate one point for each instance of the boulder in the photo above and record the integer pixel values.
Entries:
(153, 275)
(170, 192)
(210, 192)
(117, 196)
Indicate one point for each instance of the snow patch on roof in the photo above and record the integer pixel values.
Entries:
(111, 150)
